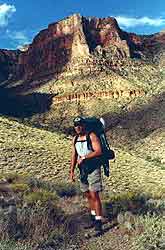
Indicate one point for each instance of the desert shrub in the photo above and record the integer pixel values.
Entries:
(62, 188)
(124, 196)
(38, 221)
(138, 203)
(14, 177)
(57, 238)
(12, 245)
(19, 187)
(150, 236)
(36, 183)
(9, 177)
(155, 206)
(40, 197)
(122, 202)
(66, 189)
(156, 161)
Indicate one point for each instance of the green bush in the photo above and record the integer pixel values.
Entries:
(14, 177)
(39, 218)
(149, 233)
(122, 202)
(12, 245)
(62, 188)
(130, 195)
(58, 237)
(40, 197)
(19, 187)
(10, 177)
(66, 189)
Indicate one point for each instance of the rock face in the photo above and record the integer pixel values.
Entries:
(69, 41)
(155, 48)
(74, 45)
(8, 64)
(53, 48)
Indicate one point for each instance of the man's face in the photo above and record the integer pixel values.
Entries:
(80, 129)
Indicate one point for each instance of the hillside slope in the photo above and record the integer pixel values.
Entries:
(46, 155)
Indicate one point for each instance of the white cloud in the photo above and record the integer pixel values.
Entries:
(18, 37)
(143, 21)
(6, 12)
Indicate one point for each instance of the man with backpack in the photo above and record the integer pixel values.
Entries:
(89, 163)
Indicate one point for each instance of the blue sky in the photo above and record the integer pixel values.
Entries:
(21, 20)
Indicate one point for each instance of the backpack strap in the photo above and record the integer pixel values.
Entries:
(75, 139)
(89, 143)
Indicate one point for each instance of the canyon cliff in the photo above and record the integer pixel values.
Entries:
(78, 45)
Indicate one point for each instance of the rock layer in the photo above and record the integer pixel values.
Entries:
(76, 97)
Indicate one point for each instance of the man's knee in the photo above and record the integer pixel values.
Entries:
(94, 196)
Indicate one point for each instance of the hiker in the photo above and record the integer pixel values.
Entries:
(91, 183)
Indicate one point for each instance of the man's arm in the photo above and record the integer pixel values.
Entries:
(96, 148)
(73, 160)
(95, 145)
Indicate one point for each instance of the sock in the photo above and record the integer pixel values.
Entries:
(93, 212)
(98, 217)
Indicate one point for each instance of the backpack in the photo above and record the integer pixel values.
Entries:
(93, 124)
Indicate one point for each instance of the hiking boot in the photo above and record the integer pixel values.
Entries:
(98, 228)
(91, 223)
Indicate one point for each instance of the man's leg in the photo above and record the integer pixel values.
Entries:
(98, 208)
(95, 186)
(90, 200)
(92, 210)
(96, 202)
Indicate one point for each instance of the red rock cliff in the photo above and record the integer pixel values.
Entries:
(74, 37)
(70, 43)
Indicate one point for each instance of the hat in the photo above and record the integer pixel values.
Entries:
(78, 121)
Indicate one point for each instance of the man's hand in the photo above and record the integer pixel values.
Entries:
(72, 176)
(80, 160)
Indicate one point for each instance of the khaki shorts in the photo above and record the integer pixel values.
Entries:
(94, 182)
